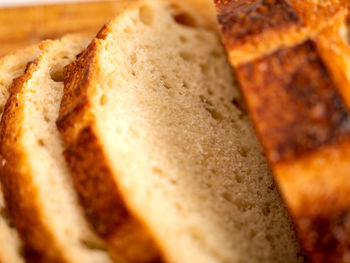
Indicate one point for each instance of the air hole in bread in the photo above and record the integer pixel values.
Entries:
(46, 118)
(204, 68)
(227, 196)
(183, 39)
(146, 15)
(46, 114)
(185, 19)
(133, 58)
(185, 85)
(266, 210)
(93, 245)
(166, 85)
(57, 75)
(252, 233)
(205, 100)
(243, 205)
(157, 170)
(103, 100)
(239, 104)
(41, 143)
(215, 53)
(243, 151)
(187, 56)
(239, 178)
(173, 181)
(215, 114)
(210, 92)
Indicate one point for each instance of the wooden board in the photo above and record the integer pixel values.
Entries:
(20, 27)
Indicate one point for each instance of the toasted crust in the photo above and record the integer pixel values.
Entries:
(21, 204)
(297, 97)
(127, 237)
(46, 237)
(11, 66)
(313, 114)
(258, 27)
(126, 234)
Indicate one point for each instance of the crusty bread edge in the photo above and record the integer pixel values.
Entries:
(37, 240)
(126, 235)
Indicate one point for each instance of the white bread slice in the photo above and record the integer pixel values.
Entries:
(37, 184)
(156, 134)
(11, 66)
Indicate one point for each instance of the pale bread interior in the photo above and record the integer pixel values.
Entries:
(11, 66)
(182, 151)
(43, 147)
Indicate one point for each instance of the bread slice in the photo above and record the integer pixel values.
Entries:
(298, 96)
(11, 66)
(37, 185)
(157, 137)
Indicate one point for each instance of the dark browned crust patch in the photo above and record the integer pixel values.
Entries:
(241, 20)
(103, 203)
(20, 195)
(127, 238)
(324, 228)
(294, 103)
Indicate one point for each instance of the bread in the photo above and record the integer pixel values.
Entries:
(37, 185)
(161, 149)
(297, 93)
(11, 66)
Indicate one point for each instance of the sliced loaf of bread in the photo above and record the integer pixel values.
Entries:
(37, 185)
(298, 97)
(160, 145)
(11, 66)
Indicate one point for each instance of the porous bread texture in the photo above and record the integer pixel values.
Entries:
(161, 102)
(37, 184)
(11, 66)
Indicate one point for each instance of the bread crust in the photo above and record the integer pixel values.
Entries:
(297, 96)
(125, 234)
(38, 242)
(258, 27)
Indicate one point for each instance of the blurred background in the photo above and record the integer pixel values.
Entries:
(26, 22)
(34, 2)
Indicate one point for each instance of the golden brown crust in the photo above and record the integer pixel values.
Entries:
(19, 193)
(298, 110)
(298, 98)
(258, 27)
(296, 80)
(316, 187)
(103, 203)
(126, 236)
(243, 20)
